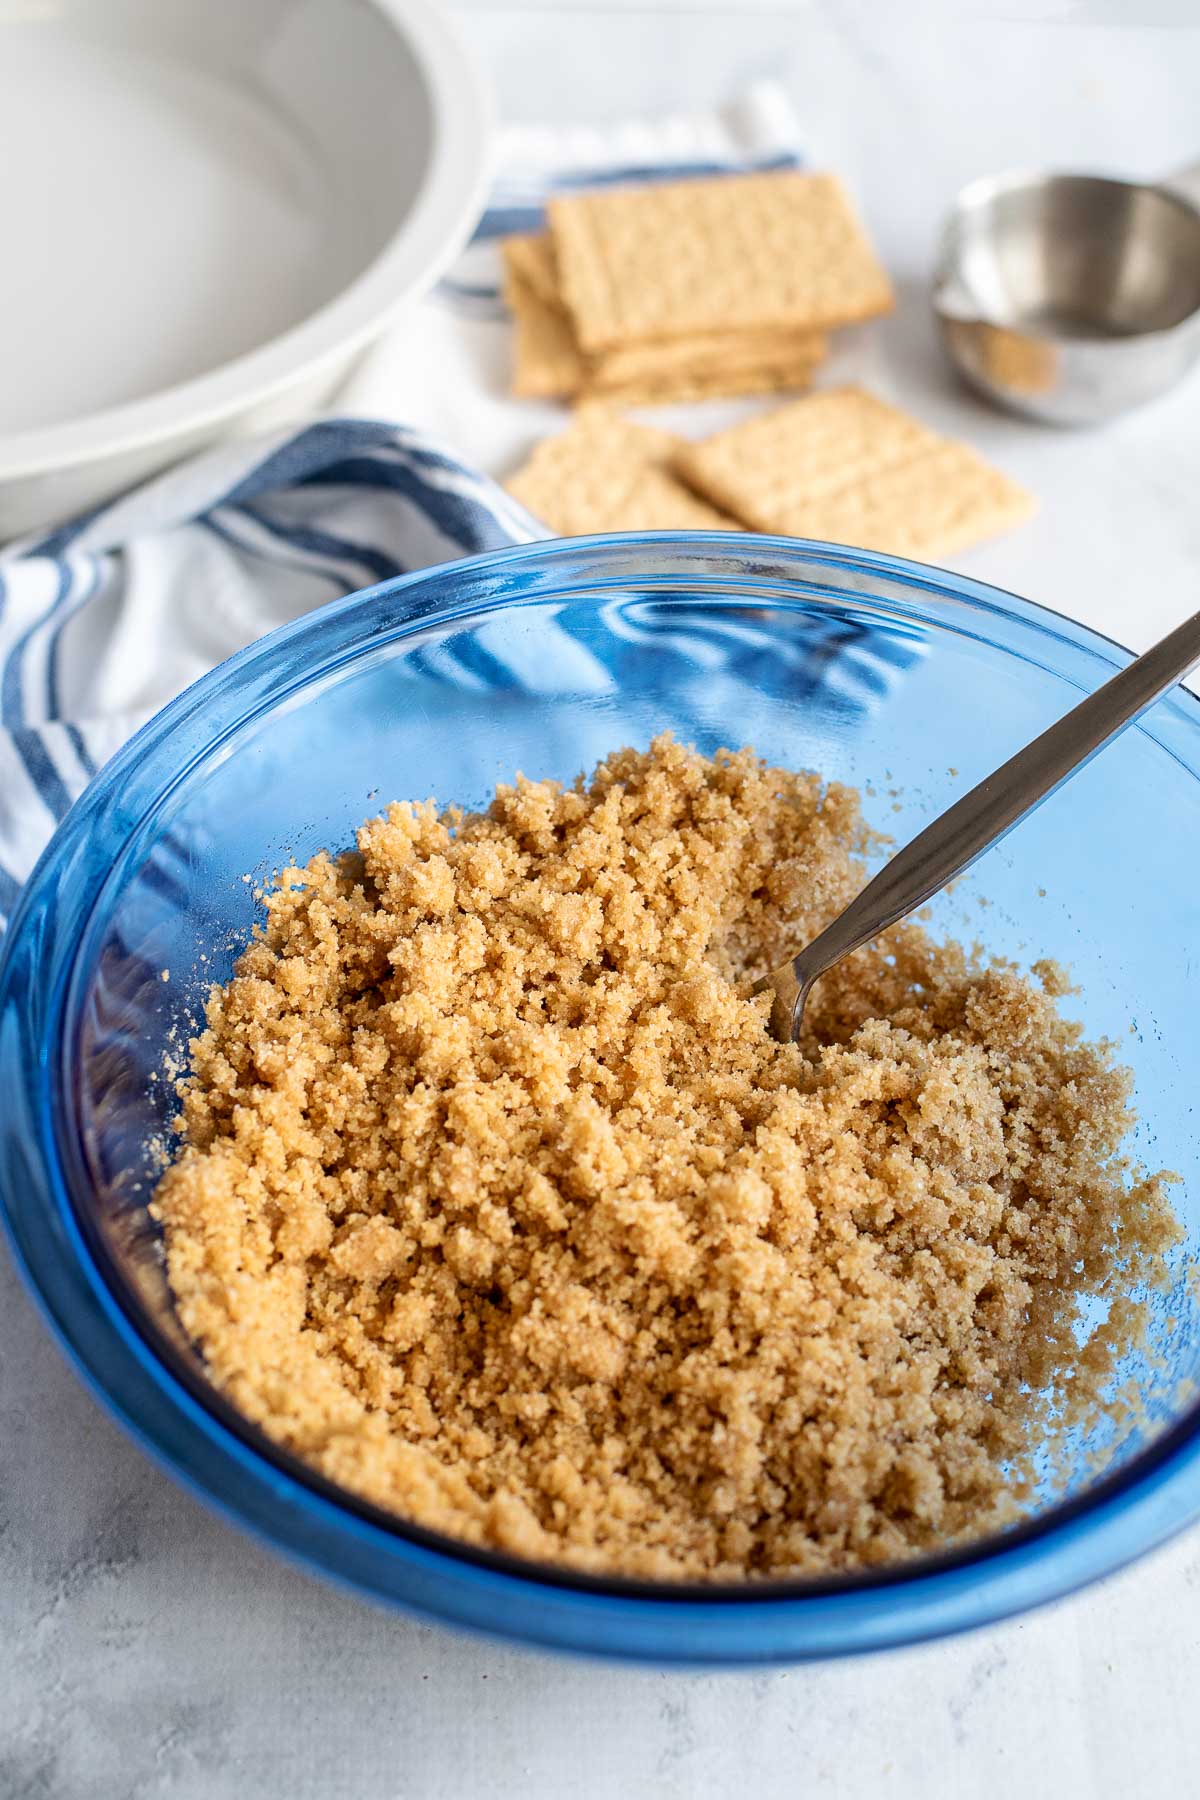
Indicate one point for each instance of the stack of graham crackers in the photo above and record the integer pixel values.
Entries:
(688, 290)
(720, 287)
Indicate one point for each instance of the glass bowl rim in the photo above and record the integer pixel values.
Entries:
(213, 1428)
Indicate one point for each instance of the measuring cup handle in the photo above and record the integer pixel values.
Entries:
(1185, 182)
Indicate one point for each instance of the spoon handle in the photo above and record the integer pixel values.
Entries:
(984, 815)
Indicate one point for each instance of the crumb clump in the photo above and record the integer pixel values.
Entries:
(497, 1204)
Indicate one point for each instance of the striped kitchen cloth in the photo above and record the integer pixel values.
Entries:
(107, 617)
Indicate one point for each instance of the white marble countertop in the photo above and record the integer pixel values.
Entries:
(149, 1652)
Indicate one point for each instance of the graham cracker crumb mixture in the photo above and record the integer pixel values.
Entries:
(498, 1205)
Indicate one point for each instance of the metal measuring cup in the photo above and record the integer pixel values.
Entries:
(1070, 298)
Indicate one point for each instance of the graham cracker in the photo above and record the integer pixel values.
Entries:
(704, 367)
(604, 473)
(730, 382)
(547, 362)
(701, 354)
(780, 249)
(845, 467)
(530, 265)
(530, 260)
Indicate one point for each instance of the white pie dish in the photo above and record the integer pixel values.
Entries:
(235, 199)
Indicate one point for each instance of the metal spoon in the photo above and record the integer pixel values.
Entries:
(981, 818)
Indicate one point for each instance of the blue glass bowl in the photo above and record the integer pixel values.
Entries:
(901, 679)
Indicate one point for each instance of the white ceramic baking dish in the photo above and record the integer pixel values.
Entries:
(211, 208)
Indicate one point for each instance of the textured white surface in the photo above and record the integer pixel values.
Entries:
(148, 1652)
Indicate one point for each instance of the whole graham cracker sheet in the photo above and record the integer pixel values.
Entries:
(845, 467)
(775, 250)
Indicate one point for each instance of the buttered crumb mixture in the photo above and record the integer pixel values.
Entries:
(498, 1205)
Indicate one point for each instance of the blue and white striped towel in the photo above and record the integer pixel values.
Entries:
(107, 617)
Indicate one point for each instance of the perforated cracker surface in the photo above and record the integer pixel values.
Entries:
(763, 251)
(844, 467)
(604, 473)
